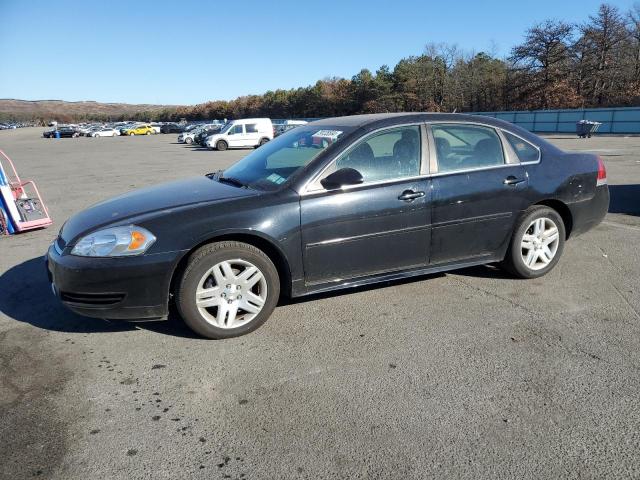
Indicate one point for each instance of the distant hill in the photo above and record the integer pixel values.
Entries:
(13, 109)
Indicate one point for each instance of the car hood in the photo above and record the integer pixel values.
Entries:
(121, 209)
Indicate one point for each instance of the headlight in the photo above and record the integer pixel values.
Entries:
(115, 242)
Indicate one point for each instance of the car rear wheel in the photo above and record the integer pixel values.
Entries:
(227, 289)
(263, 141)
(537, 243)
(222, 145)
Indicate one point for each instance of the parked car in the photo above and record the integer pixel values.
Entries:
(188, 136)
(285, 127)
(84, 130)
(245, 133)
(65, 132)
(201, 138)
(105, 132)
(171, 128)
(139, 130)
(394, 196)
(156, 127)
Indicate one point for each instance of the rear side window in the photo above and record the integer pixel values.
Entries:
(251, 128)
(463, 147)
(525, 151)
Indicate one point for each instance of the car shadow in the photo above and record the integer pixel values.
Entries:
(25, 296)
(625, 199)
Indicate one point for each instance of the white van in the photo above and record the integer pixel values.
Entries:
(248, 132)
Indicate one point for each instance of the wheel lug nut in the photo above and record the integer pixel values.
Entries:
(239, 297)
(228, 286)
(230, 301)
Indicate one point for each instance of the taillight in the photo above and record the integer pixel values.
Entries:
(602, 173)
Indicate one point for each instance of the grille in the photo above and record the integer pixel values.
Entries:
(92, 299)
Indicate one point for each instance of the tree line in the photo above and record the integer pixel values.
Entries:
(557, 65)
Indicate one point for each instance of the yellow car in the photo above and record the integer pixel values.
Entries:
(140, 130)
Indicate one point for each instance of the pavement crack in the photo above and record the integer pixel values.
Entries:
(495, 295)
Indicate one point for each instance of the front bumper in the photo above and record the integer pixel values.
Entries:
(113, 288)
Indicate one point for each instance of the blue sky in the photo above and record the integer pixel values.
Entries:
(188, 52)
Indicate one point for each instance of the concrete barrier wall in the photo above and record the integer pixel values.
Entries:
(614, 120)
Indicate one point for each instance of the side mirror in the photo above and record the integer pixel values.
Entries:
(341, 178)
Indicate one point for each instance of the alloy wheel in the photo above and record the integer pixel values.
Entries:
(540, 243)
(231, 293)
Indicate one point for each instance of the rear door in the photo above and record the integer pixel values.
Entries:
(382, 225)
(479, 188)
(251, 136)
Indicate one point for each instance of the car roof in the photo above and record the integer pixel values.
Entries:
(366, 120)
(243, 120)
(369, 122)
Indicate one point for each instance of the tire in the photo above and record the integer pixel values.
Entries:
(518, 253)
(263, 141)
(207, 319)
(131, 134)
(222, 145)
(148, 133)
(188, 140)
(113, 134)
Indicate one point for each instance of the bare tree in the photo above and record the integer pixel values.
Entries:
(543, 60)
(602, 38)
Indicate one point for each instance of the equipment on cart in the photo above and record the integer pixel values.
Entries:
(21, 207)
(586, 128)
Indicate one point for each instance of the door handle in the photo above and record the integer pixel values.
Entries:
(511, 180)
(410, 195)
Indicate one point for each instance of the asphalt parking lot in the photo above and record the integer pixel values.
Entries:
(465, 374)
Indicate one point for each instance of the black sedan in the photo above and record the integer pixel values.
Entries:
(171, 128)
(201, 138)
(63, 132)
(337, 203)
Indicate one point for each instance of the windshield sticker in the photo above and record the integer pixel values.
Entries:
(332, 134)
(275, 178)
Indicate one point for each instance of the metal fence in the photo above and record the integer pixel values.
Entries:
(614, 120)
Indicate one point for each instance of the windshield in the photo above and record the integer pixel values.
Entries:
(273, 163)
(226, 128)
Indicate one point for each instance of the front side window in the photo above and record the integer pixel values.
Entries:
(388, 155)
(463, 147)
(235, 130)
(524, 150)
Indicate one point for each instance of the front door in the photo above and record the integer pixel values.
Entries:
(235, 136)
(477, 193)
(380, 226)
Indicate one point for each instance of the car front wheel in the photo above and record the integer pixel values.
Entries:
(222, 145)
(228, 289)
(537, 243)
